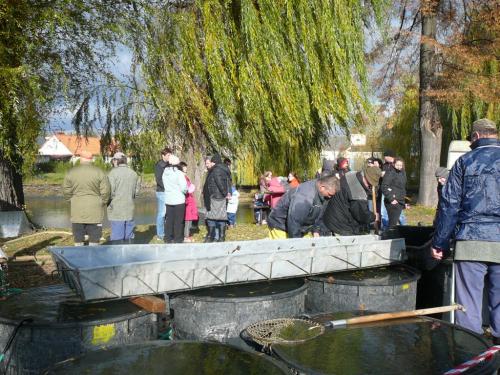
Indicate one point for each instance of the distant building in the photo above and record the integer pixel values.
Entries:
(341, 146)
(68, 147)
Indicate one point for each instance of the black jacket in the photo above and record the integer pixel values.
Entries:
(217, 185)
(299, 211)
(394, 185)
(159, 168)
(347, 213)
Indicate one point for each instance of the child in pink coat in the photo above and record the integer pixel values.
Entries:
(191, 208)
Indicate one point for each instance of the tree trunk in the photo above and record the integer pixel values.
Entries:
(431, 130)
(11, 186)
(195, 159)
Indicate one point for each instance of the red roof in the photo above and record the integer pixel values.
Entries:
(77, 144)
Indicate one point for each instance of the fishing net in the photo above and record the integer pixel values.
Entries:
(284, 331)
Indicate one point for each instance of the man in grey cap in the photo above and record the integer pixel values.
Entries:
(469, 212)
(347, 213)
(124, 188)
(441, 176)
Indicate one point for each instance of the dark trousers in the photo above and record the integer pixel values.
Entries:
(174, 223)
(393, 211)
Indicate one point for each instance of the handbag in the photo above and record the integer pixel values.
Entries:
(217, 209)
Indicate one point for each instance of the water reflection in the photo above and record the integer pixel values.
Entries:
(54, 212)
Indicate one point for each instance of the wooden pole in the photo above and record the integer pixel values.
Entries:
(374, 201)
(394, 315)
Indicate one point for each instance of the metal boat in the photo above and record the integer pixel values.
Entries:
(119, 271)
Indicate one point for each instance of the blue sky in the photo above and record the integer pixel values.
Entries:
(119, 66)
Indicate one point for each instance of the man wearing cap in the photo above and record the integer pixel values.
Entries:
(469, 212)
(441, 177)
(124, 188)
(347, 213)
(87, 188)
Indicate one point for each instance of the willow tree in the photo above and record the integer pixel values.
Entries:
(268, 78)
(51, 53)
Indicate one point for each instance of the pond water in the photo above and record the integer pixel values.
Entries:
(54, 211)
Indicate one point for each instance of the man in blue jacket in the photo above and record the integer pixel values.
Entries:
(299, 211)
(469, 212)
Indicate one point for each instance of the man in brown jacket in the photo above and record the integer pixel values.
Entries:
(87, 188)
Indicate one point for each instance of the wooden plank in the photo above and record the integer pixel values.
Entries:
(150, 303)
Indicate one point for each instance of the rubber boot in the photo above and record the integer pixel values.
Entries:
(222, 233)
(212, 233)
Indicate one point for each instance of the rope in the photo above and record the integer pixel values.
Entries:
(486, 356)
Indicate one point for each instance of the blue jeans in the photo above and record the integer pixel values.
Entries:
(122, 230)
(469, 282)
(231, 218)
(160, 214)
(385, 216)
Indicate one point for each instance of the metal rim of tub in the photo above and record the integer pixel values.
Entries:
(159, 343)
(416, 274)
(74, 324)
(489, 366)
(186, 295)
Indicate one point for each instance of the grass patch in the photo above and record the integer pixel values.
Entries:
(420, 214)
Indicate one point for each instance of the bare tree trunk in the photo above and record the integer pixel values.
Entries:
(11, 186)
(431, 130)
(195, 159)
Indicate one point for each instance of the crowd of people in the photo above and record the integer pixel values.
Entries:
(355, 202)
(338, 202)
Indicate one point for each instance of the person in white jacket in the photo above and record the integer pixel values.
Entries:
(232, 207)
(175, 186)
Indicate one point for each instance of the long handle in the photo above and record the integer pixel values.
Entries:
(374, 201)
(394, 315)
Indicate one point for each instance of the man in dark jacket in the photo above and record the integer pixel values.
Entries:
(394, 190)
(469, 211)
(160, 192)
(299, 211)
(216, 191)
(347, 213)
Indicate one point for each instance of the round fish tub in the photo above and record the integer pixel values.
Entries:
(63, 327)
(221, 313)
(406, 346)
(435, 285)
(376, 289)
(171, 358)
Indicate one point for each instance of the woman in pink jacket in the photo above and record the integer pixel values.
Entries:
(191, 208)
(276, 190)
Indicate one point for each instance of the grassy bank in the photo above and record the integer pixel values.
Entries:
(57, 178)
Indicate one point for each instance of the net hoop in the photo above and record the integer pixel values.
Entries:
(268, 332)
